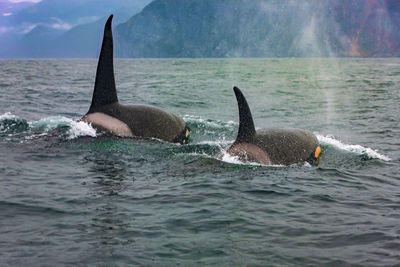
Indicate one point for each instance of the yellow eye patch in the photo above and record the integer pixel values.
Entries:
(317, 152)
(187, 133)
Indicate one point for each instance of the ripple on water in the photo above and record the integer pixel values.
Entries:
(70, 196)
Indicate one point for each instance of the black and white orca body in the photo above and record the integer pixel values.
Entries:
(271, 146)
(107, 114)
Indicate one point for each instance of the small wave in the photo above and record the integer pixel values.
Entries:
(221, 143)
(226, 157)
(222, 156)
(8, 116)
(10, 124)
(76, 128)
(80, 128)
(358, 149)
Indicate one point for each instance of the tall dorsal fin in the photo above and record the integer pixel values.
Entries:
(104, 87)
(246, 124)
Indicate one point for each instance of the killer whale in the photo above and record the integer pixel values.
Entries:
(107, 114)
(271, 146)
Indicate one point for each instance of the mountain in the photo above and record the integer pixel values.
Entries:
(262, 28)
(372, 27)
(59, 28)
(72, 12)
(205, 28)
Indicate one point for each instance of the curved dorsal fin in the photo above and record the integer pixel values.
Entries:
(246, 124)
(104, 87)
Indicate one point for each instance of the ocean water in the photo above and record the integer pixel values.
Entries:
(71, 196)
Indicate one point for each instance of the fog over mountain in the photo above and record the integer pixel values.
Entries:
(262, 28)
(206, 28)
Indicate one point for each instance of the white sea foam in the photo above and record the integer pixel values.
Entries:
(76, 128)
(358, 149)
(8, 116)
(226, 157)
(81, 128)
(221, 143)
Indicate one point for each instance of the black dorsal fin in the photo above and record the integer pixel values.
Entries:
(246, 124)
(104, 87)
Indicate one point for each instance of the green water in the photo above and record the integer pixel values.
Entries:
(67, 198)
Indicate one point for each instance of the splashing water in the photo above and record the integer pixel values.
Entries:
(81, 128)
(75, 128)
(7, 116)
(358, 149)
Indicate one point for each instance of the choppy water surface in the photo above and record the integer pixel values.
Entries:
(69, 196)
